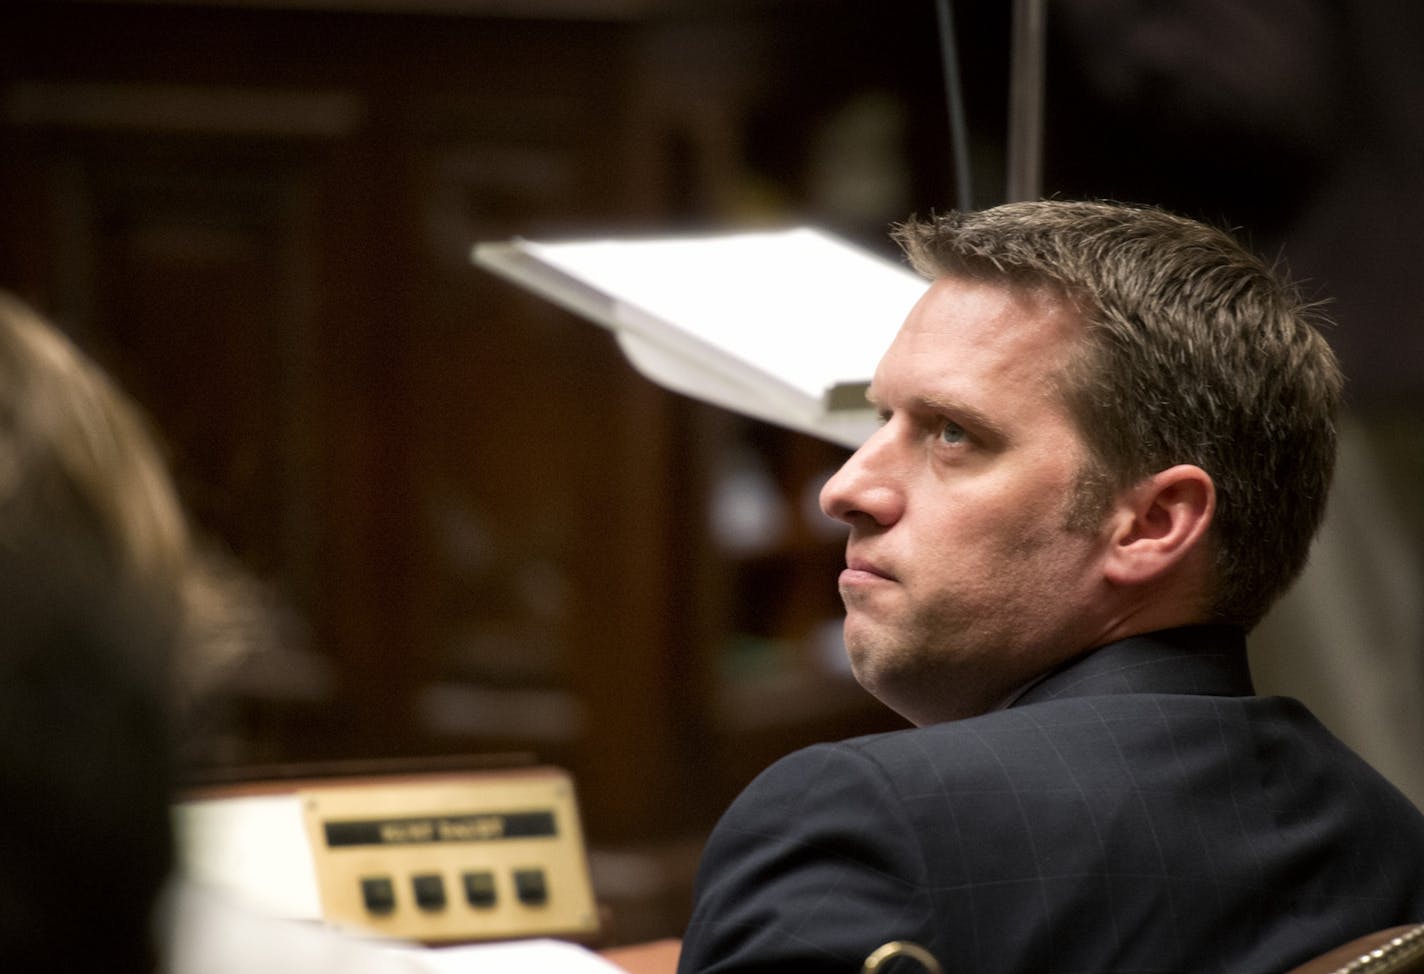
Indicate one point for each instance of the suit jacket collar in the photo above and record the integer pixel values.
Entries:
(1209, 660)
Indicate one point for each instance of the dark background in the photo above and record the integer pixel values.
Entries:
(479, 533)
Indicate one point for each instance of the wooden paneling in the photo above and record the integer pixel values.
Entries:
(489, 533)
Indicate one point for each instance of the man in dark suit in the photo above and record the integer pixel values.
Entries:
(1107, 440)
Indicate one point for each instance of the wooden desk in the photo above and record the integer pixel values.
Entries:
(657, 957)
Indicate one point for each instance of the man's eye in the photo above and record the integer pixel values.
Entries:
(953, 434)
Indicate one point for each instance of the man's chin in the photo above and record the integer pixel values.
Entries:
(868, 666)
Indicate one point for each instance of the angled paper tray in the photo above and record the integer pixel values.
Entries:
(785, 326)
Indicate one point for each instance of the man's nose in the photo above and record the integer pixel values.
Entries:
(865, 486)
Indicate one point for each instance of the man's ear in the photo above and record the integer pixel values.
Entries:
(1158, 523)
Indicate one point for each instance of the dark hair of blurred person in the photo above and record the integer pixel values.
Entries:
(97, 580)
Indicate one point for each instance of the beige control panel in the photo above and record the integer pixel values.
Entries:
(433, 858)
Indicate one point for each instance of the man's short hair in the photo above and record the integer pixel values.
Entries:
(1194, 351)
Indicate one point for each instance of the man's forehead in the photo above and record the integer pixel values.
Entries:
(970, 346)
(972, 317)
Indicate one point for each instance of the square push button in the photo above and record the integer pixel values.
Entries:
(531, 887)
(429, 891)
(479, 889)
(379, 894)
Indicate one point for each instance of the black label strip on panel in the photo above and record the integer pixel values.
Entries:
(417, 830)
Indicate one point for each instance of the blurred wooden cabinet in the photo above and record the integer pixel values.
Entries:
(491, 534)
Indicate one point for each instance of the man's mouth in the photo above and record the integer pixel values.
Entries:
(864, 570)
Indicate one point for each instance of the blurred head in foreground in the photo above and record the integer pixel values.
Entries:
(95, 571)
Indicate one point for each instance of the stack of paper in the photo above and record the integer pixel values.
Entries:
(518, 957)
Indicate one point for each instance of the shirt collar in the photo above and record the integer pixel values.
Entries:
(1205, 660)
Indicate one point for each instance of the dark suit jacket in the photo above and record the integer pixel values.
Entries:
(1138, 810)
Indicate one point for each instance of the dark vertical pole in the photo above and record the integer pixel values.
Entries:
(954, 102)
(1025, 165)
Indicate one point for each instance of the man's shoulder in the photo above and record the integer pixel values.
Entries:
(1064, 738)
(996, 742)
(1111, 745)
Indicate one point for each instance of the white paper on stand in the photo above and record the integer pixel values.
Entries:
(786, 326)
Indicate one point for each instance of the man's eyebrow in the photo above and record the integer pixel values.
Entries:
(966, 414)
(957, 409)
